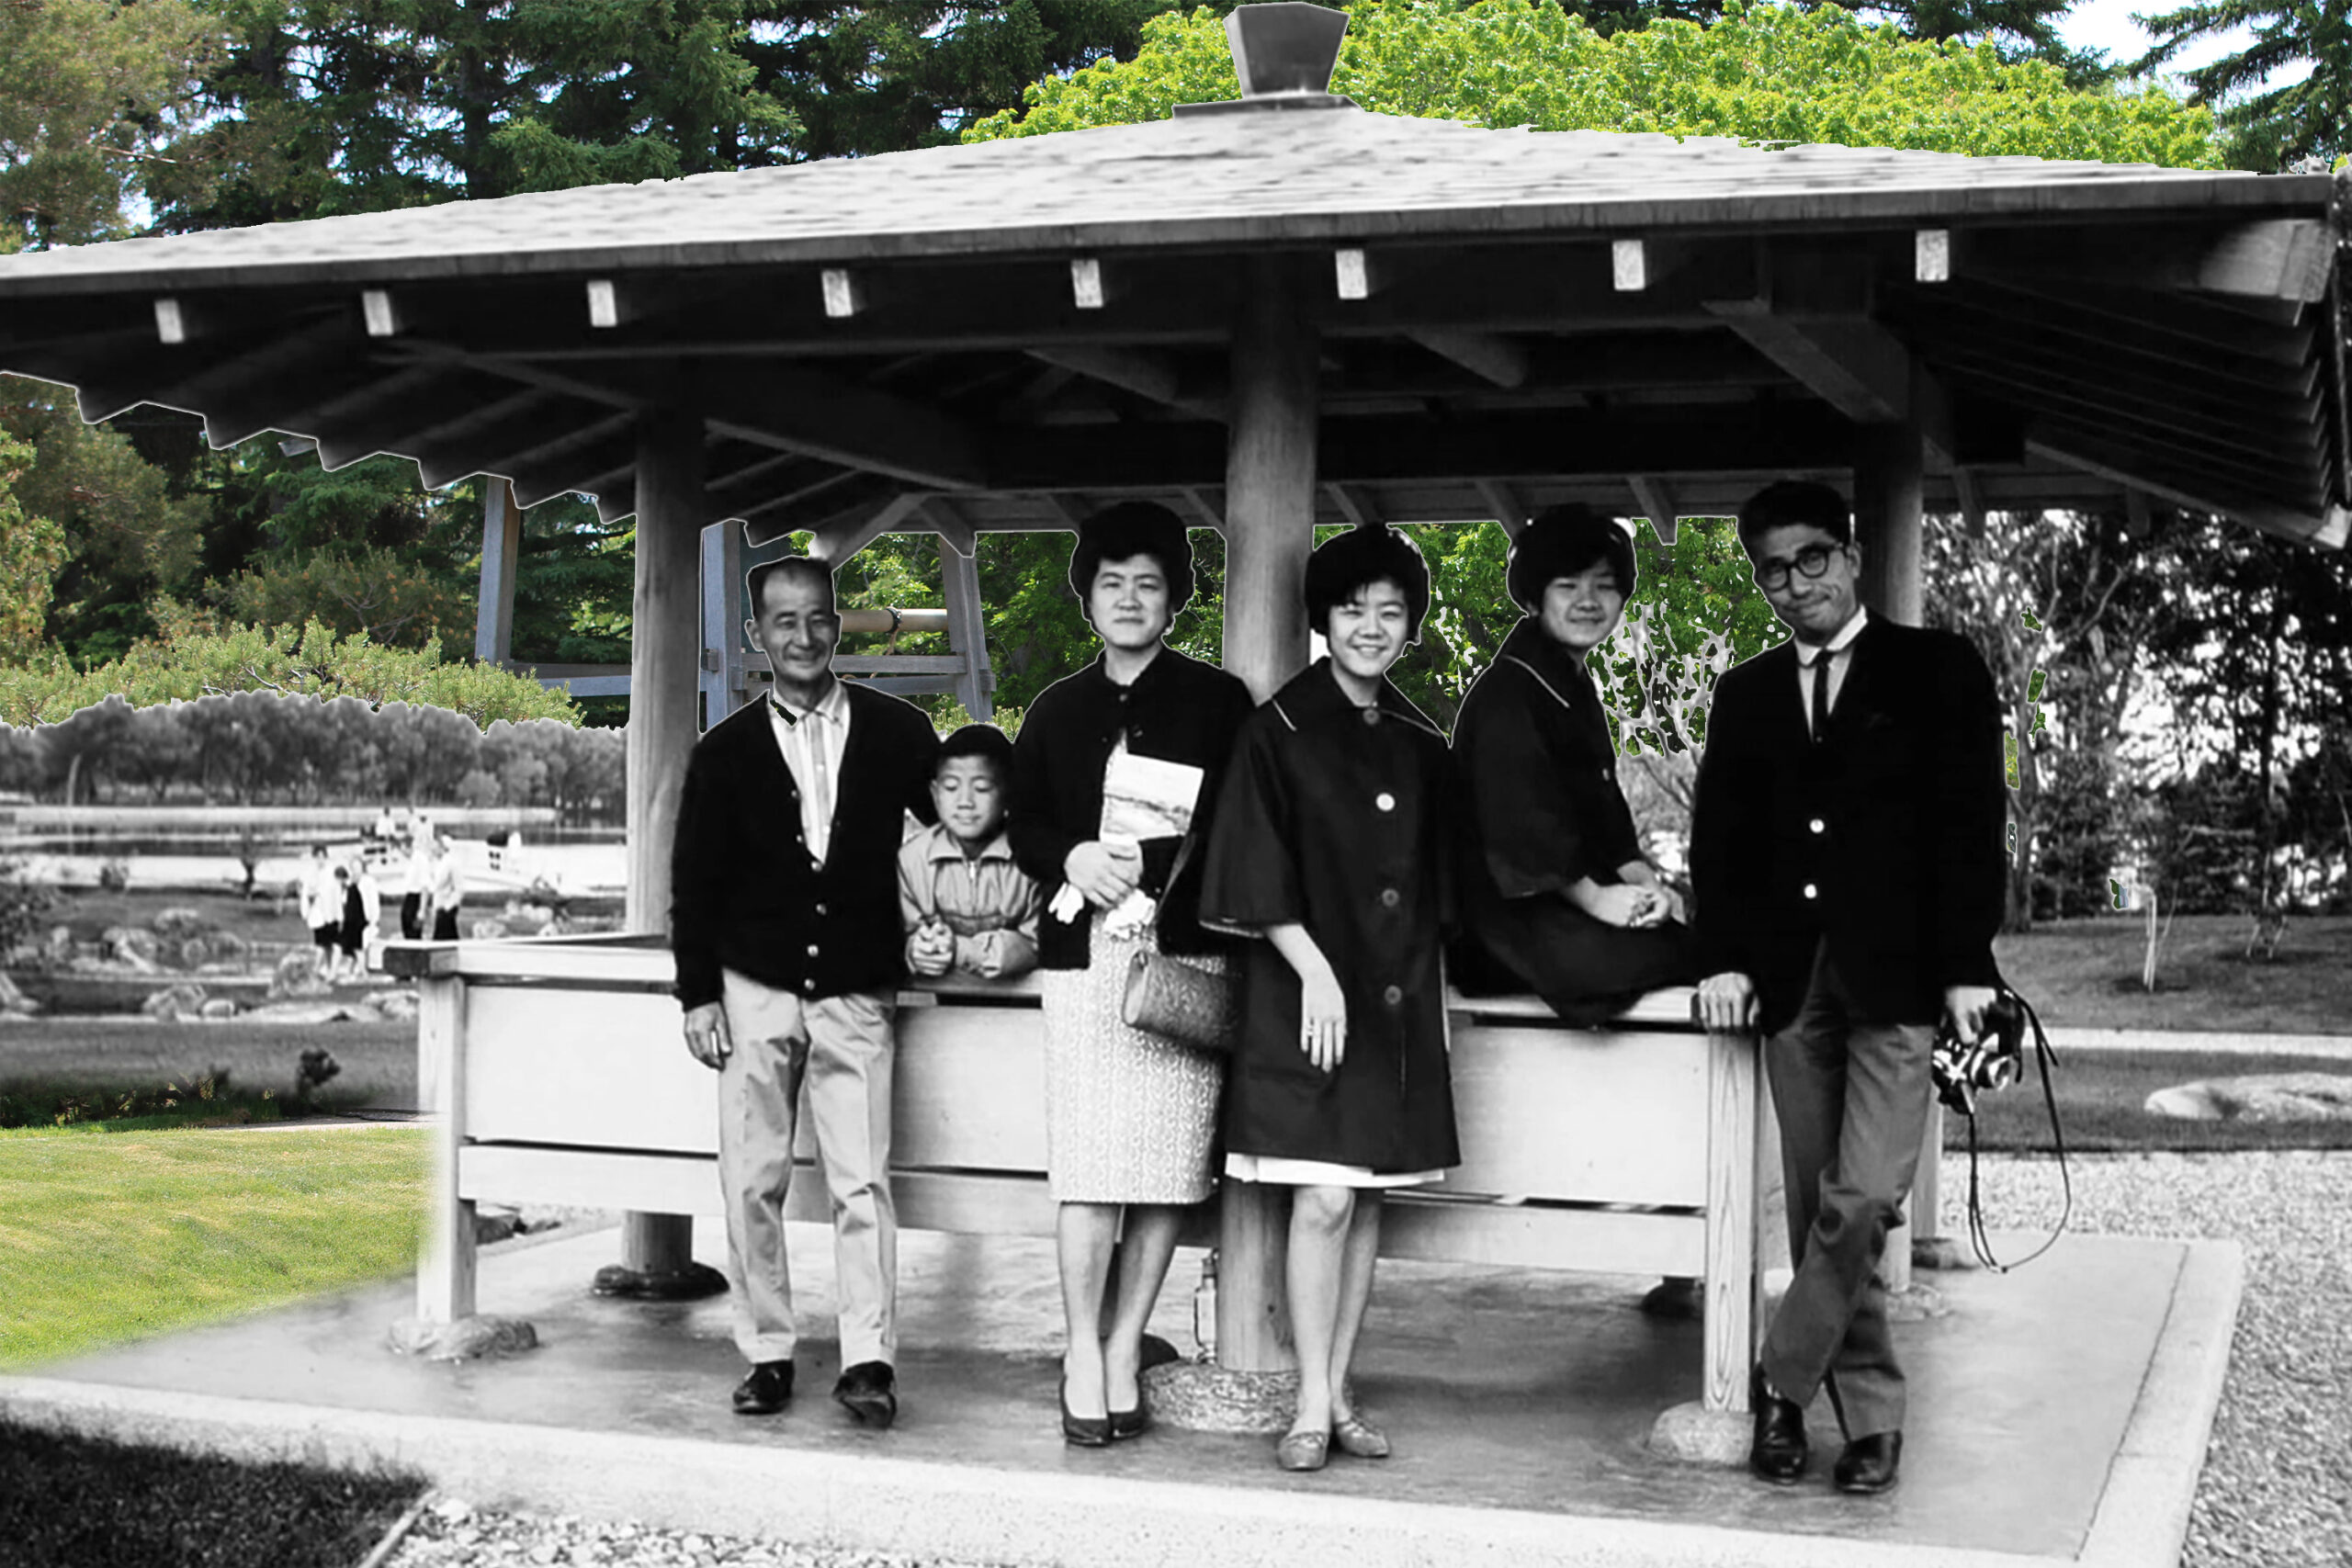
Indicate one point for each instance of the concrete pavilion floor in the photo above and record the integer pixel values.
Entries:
(2059, 1415)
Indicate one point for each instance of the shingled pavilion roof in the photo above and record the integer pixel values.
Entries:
(1007, 334)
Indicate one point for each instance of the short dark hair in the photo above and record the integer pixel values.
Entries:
(806, 567)
(1794, 504)
(1562, 541)
(1131, 528)
(1345, 565)
(983, 740)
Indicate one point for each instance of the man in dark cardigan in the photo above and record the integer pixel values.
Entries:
(1847, 864)
(784, 918)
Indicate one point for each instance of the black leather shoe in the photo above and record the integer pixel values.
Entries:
(765, 1390)
(1868, 1463)
(865, 1390)
(1779, 1452)
(1130, 1423)
(1084, 1431)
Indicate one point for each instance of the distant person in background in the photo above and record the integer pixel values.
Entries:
(322, 910)
(443, 888)
(966, 905)
(417, 870)
(362, 905)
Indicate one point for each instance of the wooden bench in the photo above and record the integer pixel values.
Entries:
(558, 1073)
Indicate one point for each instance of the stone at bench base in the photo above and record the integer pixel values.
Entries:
(463, 1340)
(1942, 1254)
(691, 1283)
(1692, 1434)
(1199, 1397)
(1916, 1304)
(1675, 1298)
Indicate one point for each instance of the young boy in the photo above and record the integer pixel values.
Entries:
(966, 905)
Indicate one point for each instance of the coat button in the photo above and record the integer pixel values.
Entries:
(1385, 801)
(1810, 891)
(1819, 826)
(821, 908)
(812, 950)
(1390, 897)
(1371, 716)
(809, 984)
(1393, 995)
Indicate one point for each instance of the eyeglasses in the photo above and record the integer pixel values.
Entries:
(1809, 562)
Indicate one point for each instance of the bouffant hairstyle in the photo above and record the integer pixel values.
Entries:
(1345, 565)
(984, 740)
(1563, 541)
(1794, 501)
(808, 569)
(1128, 529)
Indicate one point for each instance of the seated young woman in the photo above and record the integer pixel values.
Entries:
(1557, 896)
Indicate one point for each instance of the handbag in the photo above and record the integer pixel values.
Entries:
(1180, 1002)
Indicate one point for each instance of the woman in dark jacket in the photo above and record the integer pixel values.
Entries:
(1559, 899)
(1332, 843)
(1130, 1117)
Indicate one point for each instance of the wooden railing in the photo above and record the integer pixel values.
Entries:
(558, 1074)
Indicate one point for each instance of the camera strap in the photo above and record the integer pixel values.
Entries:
(1978, 1241)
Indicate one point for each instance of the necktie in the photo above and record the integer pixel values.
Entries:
(1821, 695)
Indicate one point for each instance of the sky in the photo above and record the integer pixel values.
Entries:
(2107, 25)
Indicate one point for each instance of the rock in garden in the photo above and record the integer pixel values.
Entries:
(192, 952)
(13, 1000)
(219, 1007)
(227, 945)
(296, 976)
(132, 946)
(178, 923)
(174, 1001)
(396, 1003)
(491, 929)
(2261, 1097)
(301, 1012)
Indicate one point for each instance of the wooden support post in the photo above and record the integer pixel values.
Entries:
(722, 621)
(967, 627)
(1732, 1136)
(1268, 529)
(444, 1266)
(502, 551)
(665, 660)
(1887, 500)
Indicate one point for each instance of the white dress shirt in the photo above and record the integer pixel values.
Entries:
(1833, 652)
(812, 741)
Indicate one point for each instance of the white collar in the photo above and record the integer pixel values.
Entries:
(1838, 644)
(833, 704)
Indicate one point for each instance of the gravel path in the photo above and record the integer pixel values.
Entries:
(2276, 1491)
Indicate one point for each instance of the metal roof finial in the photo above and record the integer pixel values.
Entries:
(1285, 54)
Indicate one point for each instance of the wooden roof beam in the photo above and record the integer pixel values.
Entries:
(1657, 503)
(497, 446)
(2268, 261)
(812, 508)
(2319, 526)
(836, 541)
(438, 413)
(1853, 365)
(1488, 356)
(1149, 375)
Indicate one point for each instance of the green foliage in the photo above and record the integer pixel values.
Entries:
(2269, 129)
(85, 86)
(31, 548)
(314, 661)
(1765, 74)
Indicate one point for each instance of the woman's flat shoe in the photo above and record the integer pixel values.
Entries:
(1358, 1436)
(1302, 1450)
(1130, 1423)
(1084, 1431)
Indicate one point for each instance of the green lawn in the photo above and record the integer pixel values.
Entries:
(2087, 973)
(107, 1236)
(378, 1057)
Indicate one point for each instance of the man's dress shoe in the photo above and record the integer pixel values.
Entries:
(765, 1390)
(1868, 1463)
(865, 1390)
(1779, 1452)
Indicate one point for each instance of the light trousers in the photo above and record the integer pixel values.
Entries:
(841, 1048)
(1852, 1099)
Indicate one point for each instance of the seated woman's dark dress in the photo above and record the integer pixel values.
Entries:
(1533, 755)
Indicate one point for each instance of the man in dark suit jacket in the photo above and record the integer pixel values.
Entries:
(1846, 861)
(784, 918)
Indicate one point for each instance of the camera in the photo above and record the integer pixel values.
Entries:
(1995, 1059)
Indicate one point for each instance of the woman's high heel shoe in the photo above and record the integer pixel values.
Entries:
(1130, 1423)
(1359, 1438)
(1084, 1431)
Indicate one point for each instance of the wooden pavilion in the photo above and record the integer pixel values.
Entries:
(1292, 312)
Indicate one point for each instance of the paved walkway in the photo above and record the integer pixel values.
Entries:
(1518, 1400)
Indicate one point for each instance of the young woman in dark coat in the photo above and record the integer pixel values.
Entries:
(1332, 843)
(1559, 899)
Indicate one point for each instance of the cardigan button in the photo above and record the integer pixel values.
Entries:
(812, 950)
(1371, 716)
(1385, 801)
(1390, 897)
(821, 908)
(1819, 826)
(1393, 995)
(1810, 891)
(809, 984)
